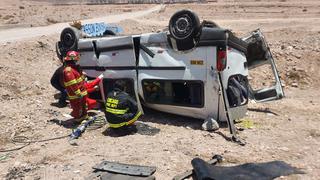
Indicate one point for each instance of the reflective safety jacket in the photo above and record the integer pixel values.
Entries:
(74, 82)
(121, 109)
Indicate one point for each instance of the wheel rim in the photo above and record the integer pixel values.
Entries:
(183, 27)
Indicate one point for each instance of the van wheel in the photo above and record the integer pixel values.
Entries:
(184, 25)
(59, 50)
(69, 38)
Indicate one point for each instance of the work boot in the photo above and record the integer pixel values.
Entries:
(62, 103)
(210, 124)
(63, 99)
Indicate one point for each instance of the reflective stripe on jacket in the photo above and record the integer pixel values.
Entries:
(74, 83)
(126, 123)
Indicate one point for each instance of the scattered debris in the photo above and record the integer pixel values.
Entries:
(247, 124)
(127, 169)
(264, 110)
(18, 172)
(122, 171)
(248, 171)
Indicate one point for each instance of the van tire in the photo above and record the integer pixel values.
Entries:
(69, 38)
(184, 25)
(59, 50)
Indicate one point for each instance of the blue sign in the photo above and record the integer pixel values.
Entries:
(98, 29)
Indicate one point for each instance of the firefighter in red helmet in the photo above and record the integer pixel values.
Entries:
(77, 88)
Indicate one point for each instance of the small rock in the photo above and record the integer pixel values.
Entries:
(66, 168)
(290, 48)
(284, 149)
(76, 171)
(210, 124)
(294, 84)
(298, 56)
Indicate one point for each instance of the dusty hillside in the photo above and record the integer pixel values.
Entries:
(290, 133)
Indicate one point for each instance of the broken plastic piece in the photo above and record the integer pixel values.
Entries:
(127, 169)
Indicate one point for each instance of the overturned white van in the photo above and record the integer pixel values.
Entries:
(194, 69)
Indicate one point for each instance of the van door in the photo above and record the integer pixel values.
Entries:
(115, 58)
(172, 81)
(234, 85)
(264, 80)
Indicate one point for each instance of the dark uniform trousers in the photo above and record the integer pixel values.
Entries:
(57, 82)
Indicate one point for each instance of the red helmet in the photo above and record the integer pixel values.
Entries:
(72, 56)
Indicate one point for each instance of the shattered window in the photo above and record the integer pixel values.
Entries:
(174, 92)
(108, 86)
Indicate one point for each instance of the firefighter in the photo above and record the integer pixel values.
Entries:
(121, 108)
(57, 83)
(77, 88)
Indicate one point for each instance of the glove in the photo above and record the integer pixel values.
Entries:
(101, 76)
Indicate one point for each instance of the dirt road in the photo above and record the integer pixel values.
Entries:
(10, 35)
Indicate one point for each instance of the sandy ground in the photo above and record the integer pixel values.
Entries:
(290, 133)
(14, 34)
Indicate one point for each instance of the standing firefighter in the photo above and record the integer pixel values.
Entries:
(121, 109)
(76, 87)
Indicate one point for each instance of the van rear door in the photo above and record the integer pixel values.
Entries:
(264, 80)
(115, 58)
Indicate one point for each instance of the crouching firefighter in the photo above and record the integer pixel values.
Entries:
(121, 108)
(77, 88)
